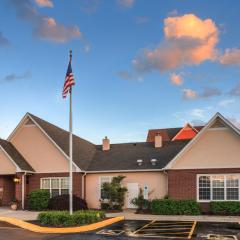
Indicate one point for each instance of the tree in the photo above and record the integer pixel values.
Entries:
(115, 193)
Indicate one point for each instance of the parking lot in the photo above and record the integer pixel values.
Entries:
(144, 230)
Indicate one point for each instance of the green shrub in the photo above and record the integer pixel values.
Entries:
(63, 218)
(140, 202)
(175, 207)
(105, 206)
(38, 199)
(222, 207)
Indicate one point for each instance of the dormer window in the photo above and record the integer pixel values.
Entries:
(154, 162)
(139, 162)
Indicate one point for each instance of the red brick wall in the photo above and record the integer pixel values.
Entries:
(182, 184)
(6, 182)
(34, 181)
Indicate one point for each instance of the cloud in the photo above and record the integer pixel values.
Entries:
(89, 6)
(226, 102)
(235, 91)
(142, 19)
(125, 3)
(45, 27)
(230, 57)
(176, 79)
(44, 3)
(13, 77)
(4, 42)
(210, 92)
(49, 29)
(188, 40)
(234, 121)
(129, 76)
(189, 94)
(197, 122)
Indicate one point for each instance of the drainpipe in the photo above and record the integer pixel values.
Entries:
(165, 172)
(83, 185)
(23, 190)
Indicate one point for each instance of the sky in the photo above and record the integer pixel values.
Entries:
(138, 64)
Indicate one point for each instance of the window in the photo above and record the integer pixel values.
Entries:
(56, 186)
(218, 187)
(105, 179)
(204, 188)
(232, 185)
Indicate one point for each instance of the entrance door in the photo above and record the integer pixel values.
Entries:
(133, 191)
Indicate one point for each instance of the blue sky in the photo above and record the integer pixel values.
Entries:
(138, 64)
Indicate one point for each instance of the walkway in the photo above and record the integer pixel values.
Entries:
(130, 215)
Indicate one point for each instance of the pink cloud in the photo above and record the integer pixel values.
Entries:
(230, 57)
(45, 27)
(126, 3)
(44, 3)
(176, 79)
(188, 40)
(189, 94)
(49, 29)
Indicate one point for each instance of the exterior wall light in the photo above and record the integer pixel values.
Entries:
(16, 180)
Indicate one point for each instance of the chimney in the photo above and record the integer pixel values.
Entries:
(158, 140)
(105, 144)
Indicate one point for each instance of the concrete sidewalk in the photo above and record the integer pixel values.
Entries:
(19, 214)
(130, 215)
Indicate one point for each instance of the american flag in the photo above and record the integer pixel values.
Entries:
(69, 81)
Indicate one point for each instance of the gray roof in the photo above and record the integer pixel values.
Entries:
(15, 156)
(124, 156)
(90, 157)
(83, 151)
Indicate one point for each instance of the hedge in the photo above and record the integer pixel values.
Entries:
(225, 207)
(61, 203)
(174, 207)
(63, 218)
(38, 199)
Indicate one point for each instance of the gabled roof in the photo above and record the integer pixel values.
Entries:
(211, 122)
(15, 156)
(83, 150)
(123, 157)
(167, 133)
(187, 132)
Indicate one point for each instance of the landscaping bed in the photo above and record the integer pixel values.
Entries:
(64, 219)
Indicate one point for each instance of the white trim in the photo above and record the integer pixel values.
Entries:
(51, 140)
(225, 186)
(185, 126)
(196, 138)
(23, 190)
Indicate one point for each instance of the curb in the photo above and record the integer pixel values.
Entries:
(39, 229)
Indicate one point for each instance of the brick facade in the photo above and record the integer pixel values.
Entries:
(33, 181)
(8, 187)
(182, 184)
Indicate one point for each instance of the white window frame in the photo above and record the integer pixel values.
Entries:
(225, 186)
(100, 184)
(50, 184)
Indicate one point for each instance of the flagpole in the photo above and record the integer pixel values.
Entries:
(70, 150)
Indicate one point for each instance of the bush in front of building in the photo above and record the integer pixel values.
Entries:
(61, 203)
(64, 219)
(140, 202)
(114, 194)
(38, 199)
(225, 207)
(174, 207)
